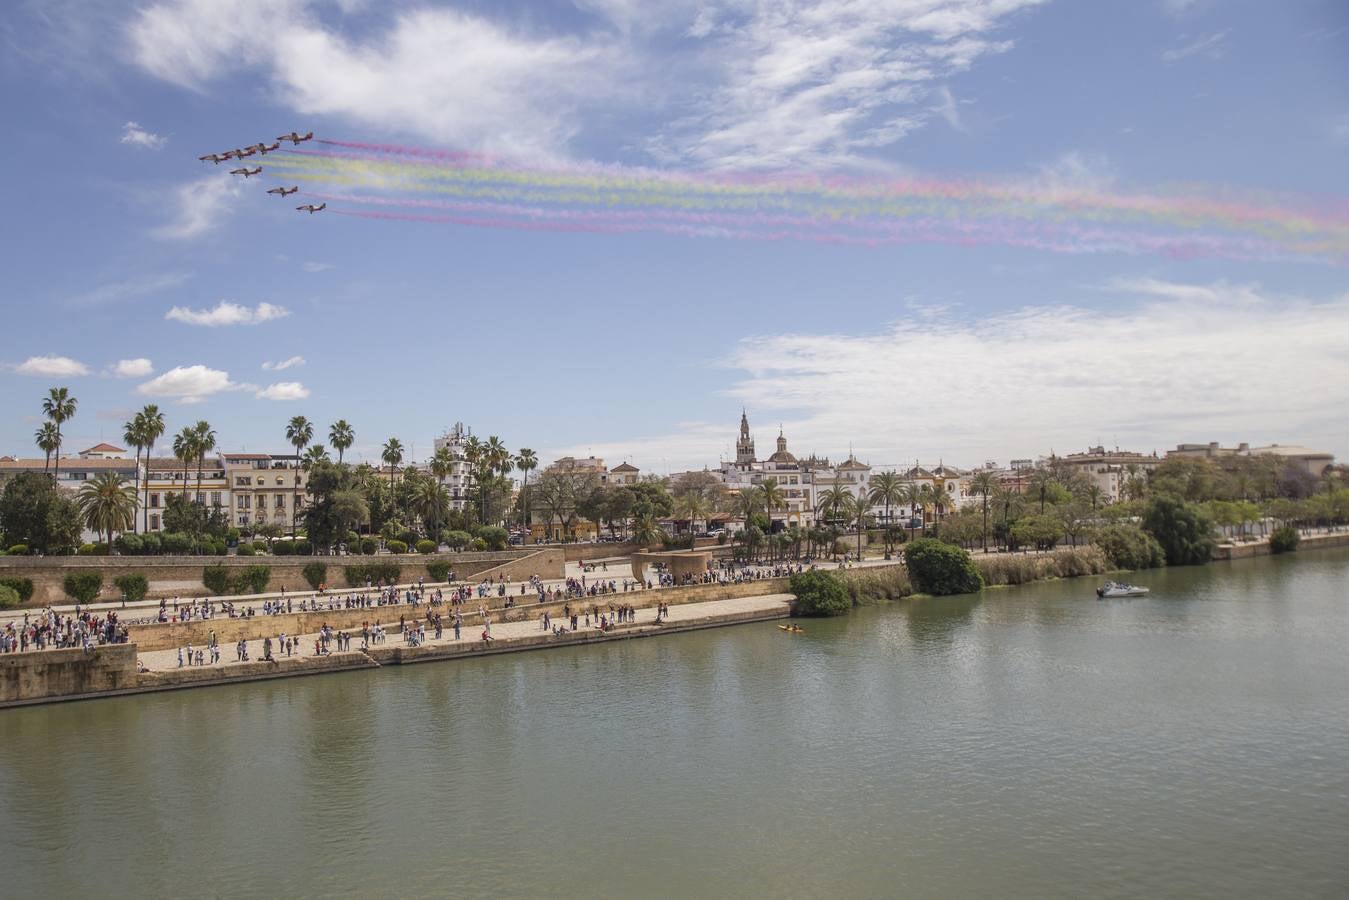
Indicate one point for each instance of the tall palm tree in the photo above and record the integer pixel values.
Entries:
(885, 491)
(152, 423)
(299, 432)
(133, 432)
(692, 505)
(750, 502)
(48, 441)
(1040, 483)
(315, 454)
(1095, 495)
(59, 407)
(107, 504)
(526, 461)
(910, 495)
(771, 495)
(392, 455)
(442, 463)
(497, 456)
(185, 450)
(983, 485)
(432, 504)
(341, 435)
(206, 442)
(832, 503)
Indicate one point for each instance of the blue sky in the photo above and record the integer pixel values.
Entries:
(646, 346)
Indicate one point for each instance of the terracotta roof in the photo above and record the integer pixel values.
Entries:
(852, 463)
(104, 448)
(67, 464)
(625, 467)
(250, 455)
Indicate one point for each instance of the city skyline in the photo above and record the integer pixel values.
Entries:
(150, 276)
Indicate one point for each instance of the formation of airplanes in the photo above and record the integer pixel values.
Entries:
(262, 149)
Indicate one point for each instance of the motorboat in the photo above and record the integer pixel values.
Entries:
(1119, 589)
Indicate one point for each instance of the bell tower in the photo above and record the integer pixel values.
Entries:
(744, 446)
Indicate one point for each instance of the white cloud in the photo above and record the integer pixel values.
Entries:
(317, 266)
(284, 390)
(283, 364)
(1073, 172)
(52, 367)
(187, 384)
(227, 313)
(1055, 377)
(443, 73)
(138, 286)
(198, 206)
(136, 136)
(815, 83)
(948, 108)
(1208, 45)
(133, 368)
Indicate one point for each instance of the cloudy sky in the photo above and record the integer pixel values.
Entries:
(136, 273)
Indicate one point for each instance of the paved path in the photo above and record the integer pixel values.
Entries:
(164, 660)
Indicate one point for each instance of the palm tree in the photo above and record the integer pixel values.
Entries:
(692, 505)
(299, 432)
(750, 502)
(772, 496)
(59, 407)
(526, 460)
(1040, 483)
(392, 456)
(315, 454)
(645, 531)
(1095, 495)
(885, 491)
(152, 424)
(107, 504)
(911, 495)
(431, 502)
(185, 450)
(983, 485)
(341, 435)
(832, 503)
(48, 441)
(133, 432)
(442, 463)
(205, 444)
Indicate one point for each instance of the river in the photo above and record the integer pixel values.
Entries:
(1028, 742)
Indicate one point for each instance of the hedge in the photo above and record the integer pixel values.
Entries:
(217, 579)
(83, 586)
(439, 570)
(245, 550)
(133, 587)
(316, 573)
(397, 546)
(369, 546)
(21, 586)
(9, 598)
(252, 579)
(425, 546)
(18, 550)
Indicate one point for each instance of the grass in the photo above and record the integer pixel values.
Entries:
(1067, 562)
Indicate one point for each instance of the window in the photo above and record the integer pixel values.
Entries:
(154, 523)
(201, 498)
(215, 498)
(243, 518)
(245, 501)
(280, 501)
(154, 501)
(242, 481)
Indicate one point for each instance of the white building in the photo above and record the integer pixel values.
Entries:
(460, 479)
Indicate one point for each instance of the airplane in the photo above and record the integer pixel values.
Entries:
(284, 191)
(294, 137)
(311, 208)
(246, 172)
(264, 149)
(247, 151)
(214, 157)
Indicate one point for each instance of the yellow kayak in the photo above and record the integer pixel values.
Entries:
(795, 629)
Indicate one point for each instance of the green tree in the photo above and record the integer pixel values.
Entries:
(315, 454)
(431, 503)
(771, 496)
(692, 505)
(59, 408)
(1185, 534)
(204, 444)
(820, 593)
(48, 440)
(983, 485)
(108, 505)
(341, 435)
(646, 532)
(299, 432)
(392, 456)
(34, 512)
(939, 568)
(150, 425)
(185, 450)
(526, 461)
(1129, 547)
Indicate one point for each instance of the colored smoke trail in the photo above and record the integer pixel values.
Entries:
(482, 190)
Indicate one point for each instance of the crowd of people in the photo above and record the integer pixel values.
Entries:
(51, 630)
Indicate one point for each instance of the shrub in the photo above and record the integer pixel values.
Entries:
(1186, 535)
(217, 579)
(458, 540)
(83, 586)
(304, 548)
(820, 593)
(439, 570)
(129, 544)
(21, 586)
(426, 546)
(133, 587)
(352, 540)
(9, 598)
(93, 550)
(315, 573)
(1067, 562)
(18, 550)
(397, 546)
(478, 545)
(1130, 547)
(408, 536)
(245, 550)
(151, 544)
(1284, 539)
(376, 573)
(938, 568)
(174, 543)
(369, 545)
(495, 536)
(283, 548)
(251, 579)
(259, 546)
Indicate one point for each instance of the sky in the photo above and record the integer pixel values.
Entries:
(1131, 229)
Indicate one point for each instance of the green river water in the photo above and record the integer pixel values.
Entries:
(1029, 742)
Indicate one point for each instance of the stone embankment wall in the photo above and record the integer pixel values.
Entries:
(180, 576)
(1261, 548)
(57, 673)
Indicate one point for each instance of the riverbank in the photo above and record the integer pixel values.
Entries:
(54, 676)
(1248, 549)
